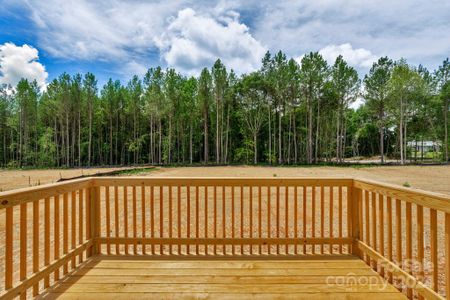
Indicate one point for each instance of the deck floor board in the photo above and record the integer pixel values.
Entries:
(108, 277)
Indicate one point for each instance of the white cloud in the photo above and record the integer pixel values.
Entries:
(355, 57)
(193, 41)
(17, 62)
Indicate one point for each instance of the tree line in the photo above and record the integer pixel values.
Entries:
(284, 113)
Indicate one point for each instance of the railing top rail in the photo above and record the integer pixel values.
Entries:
(221, 181)
(427, 199)
(18, 196)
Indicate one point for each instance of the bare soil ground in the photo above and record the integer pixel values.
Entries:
(14, 179)
(431, 178)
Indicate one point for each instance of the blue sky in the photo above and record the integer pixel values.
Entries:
(42, 39)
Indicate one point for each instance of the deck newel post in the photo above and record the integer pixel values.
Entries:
(447, 255)
(95, 218)
(355, 194)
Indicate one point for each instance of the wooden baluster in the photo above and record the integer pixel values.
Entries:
(420, 248)
(206, 218)
(108, 219)
(56, 234)
(296, 217)
(389, 233)
(251, 216)
(350, 220)
(125, 216)
(134, 219)
(242, 216)
(322, 215)
(161, 217)
(381, 225)
(188, 217)
(65, 230)
(179, 217)
(152, 216)
(278, 218)
(36, 243)
(143, 219)
(116, 217)
(9, 271)
(215, 218)
(398, 231)
(340, 216)
(269, 233)
(46, 238)
(95, 218)
(408, 256)
(367, 222)
(331, 217)
(447, 255)
(223, 219)
(80, 222)
(360, 219)
(313, 217)
(170, 212)
(434, 248)
(304, 217)
(286, 217)
(73, 227)
(374, 227)
(260, 217)
(23, 245)
(197, 222)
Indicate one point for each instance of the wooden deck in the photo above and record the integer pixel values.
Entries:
(134, 277)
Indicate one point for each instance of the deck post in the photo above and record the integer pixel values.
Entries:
(354, 211)
(95, 218)
(447, 255)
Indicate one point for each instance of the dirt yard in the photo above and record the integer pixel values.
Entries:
(14, 179)
(431, 178)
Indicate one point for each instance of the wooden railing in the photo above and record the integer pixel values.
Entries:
(51, 230)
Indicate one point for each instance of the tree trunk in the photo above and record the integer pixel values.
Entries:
(270, 137)
(402, 159)
(255, 148)
(205, 133)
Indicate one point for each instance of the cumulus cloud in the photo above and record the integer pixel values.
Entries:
(193, 41)
(17, 62)
(355, 57)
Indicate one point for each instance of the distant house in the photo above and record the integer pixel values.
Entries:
(425, 146)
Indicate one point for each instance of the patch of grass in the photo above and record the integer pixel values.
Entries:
(406, 184)
(135, 171)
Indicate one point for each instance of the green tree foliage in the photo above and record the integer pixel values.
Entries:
(287, 112)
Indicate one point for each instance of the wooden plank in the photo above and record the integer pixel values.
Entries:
(73, 226)
(250, 211)
(295, 216)
(434, 248)
(46, 238)
(125, 215)
(226, 241)
(36, 220)
(420, 244)
(23, 242)
(313, 217)
(278, 216)
(367, 222)
(389, 233)
(9, 271)
(143, 216)
(80, 221)
(65, 229)
(179, 216)
(230, 295)
(215, 217)
(242, 216)
(134, 216)
(220, 181)
(152, 215)
(116, 216)
(29, 194)
(340, 216)
(408, 254)
(269, 227)
(447, 255)
(330, 218)
(108, 217)
(56, 233)
(381, 226)
(322, 214)
(304, 216)
(286, 216)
